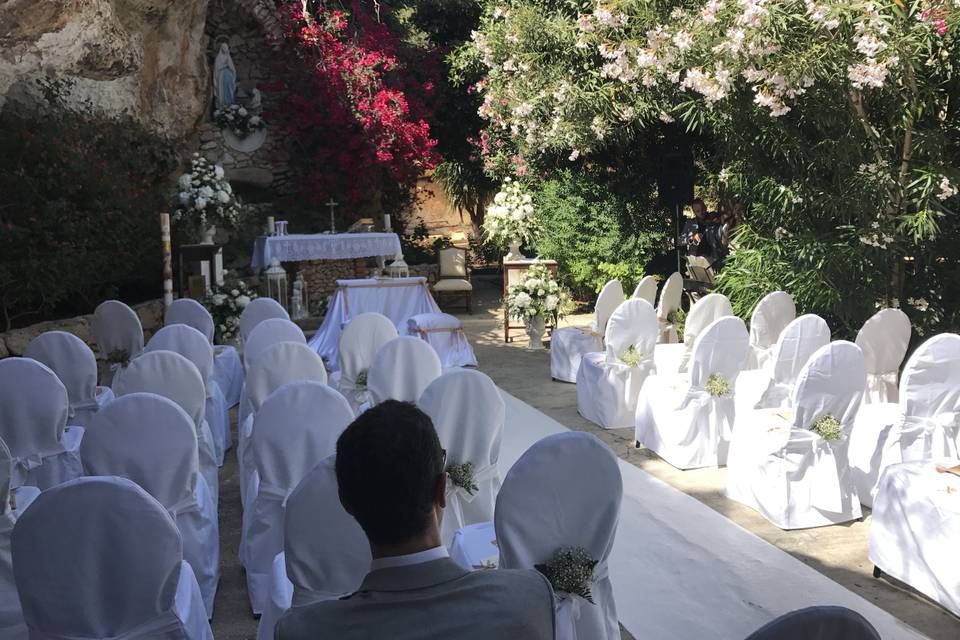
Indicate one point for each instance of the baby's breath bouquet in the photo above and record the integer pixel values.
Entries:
(828, 428)
(717, 386)
(511, 216)
(225, 304)
(537, 294)
(463, 476)
(206, 196)
(570, 570)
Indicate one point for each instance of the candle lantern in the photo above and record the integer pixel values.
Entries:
(398, 268)
(277, 283)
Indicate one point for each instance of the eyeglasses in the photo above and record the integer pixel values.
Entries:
(443, 458)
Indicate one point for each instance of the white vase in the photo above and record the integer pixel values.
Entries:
(514, 253)
(535, 330)
(208, 235)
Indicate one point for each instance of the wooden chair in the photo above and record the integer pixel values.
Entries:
(454, 278)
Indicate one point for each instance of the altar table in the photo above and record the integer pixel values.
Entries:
(322, 246)
(396, 298)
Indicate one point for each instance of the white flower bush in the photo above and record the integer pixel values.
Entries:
(511, 216)
(537, 294)
(239, 120)
(206, 197)
(225, 304)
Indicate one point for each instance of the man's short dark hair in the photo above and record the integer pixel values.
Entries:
(388, 462)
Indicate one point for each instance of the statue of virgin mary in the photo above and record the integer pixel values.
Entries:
(224, 78)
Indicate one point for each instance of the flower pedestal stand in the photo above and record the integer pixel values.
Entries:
(536, 327)
(514, 254)
(512, 274)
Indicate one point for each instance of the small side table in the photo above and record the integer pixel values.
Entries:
(512, 274)
(208, 255)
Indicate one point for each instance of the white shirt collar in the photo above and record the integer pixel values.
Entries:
(390, 562)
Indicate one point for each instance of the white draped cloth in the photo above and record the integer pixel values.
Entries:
(401, 370)
(884, 339)
(607, 387)
(33, 422)
(117, 330)
(298, 247)
(782, 468)
(360, 341)
(266, 334)
(647, 290)
(915, 528)
(925, 424)
(12, 626)
(399, 299)
(564, 492)
(678, 418)
(297, 425)
(673, 358)
(444, 333)
(770, 317)
(569, 344)
(150, 440)
(326, 554)
(258, 310)
(670, 298)
(117, 553)
(468, 414)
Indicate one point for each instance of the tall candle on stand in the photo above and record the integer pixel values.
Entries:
(271, 225)
(386, 222)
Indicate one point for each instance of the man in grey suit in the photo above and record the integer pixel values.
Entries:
(391, 475)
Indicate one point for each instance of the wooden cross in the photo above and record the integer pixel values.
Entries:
(333, 204)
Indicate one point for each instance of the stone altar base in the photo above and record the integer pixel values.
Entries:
(321, 275)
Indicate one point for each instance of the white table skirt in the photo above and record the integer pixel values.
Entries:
(320, 246)
(397, 298)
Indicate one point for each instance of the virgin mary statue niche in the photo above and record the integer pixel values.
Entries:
(224, 78)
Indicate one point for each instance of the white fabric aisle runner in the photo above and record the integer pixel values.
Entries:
(682, 570)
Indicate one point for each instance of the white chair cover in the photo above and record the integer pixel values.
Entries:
(150, 440)
(670, 298)
(678, 418)
(268, 333)
(468, 414)
(174, 377)
(915, 528)
(191, 313)
(884, 339)
(193, 346)
(117, 330)
(360, 341)
(770, 317)
(474, 547)
(100, 558)
(569, 344)
(607, 388)
(74, 363)
(780, 467)
(33, 423)
(673, 358)
(326, 554)
(772, 386)
(922, 426)
(257, 311)
(402, 369)
(297, 426)
(12, 625)
(444, 333)
(276, 366)
(565, 491)
(647, 290)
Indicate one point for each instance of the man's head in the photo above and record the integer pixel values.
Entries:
(390, 472)
(699, 208)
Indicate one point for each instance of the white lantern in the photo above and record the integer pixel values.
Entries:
(398, 268)
(277, 283)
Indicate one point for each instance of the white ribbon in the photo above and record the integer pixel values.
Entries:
(567, 606)
(28, 463)
(273, 492)
(84, 405)
(818, 463)
(187, 505)
(457, 495)
(928, 437)
(166, 626)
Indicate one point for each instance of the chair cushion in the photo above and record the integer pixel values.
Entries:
(452, 284)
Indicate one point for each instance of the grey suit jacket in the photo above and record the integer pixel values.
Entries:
(436, 599)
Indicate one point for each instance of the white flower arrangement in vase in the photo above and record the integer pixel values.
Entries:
(206, 197)
(511, 219)
(536, 297)
(239, 120)
(225, 304)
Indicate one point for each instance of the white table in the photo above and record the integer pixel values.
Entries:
(322, 246)
(396, 298)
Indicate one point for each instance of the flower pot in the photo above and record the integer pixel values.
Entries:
(536, 326)
(514, 253)
(207, 235)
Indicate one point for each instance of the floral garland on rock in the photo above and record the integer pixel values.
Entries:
(537, 294)
(239, 120)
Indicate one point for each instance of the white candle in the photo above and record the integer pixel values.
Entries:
(386, 221)
(271, 226)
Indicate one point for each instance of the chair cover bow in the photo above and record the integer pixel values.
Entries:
(273, 492)
(166, 626)
(928, 436)
(83, 405)
(567, 606)
(187, 505)
(457, 495)
(825, 487)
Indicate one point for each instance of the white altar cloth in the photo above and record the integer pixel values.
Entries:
(397, 298)
(322, 246)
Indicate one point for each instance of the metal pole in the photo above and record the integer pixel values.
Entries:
(167, 264)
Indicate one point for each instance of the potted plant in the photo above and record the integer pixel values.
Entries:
(536, 297)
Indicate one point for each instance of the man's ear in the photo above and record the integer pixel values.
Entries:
(440, 491)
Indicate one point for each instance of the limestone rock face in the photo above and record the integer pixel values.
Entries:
(147, 57)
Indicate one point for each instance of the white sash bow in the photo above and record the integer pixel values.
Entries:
(928, 437)
(819, 465)
(567, 606)
(84, 405)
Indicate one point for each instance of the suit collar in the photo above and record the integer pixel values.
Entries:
(417, 576)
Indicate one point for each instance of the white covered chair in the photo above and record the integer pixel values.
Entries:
(100, 558)
(360, 341)
(297, 426)
(401, 370)
(771, 387)
(118, 332)
(468, 414)
(564, 492)
(673, 358)
(915, 528)
(193, 346)
(174, 377)
(74, 363)
(670, 298)
(12, 626)
(569, 344)
(326, 554)
(257, 311)
(884, 339)
(688, 419)
(266, 334)
(444, 333)
(33, 422)
(922, 426)
(608, 387)
(780, 466)
(276, 366)
(150, 440)
(647, 290)
(770, 317)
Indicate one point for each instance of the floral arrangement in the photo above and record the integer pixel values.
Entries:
(239, 120)
(206, 196)
(828, 428)
(225, 304)
(511, 216)
(717, 386)
(463, 476)
(631, 356)
(570, 570)
(361, 381)
(538, 294)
